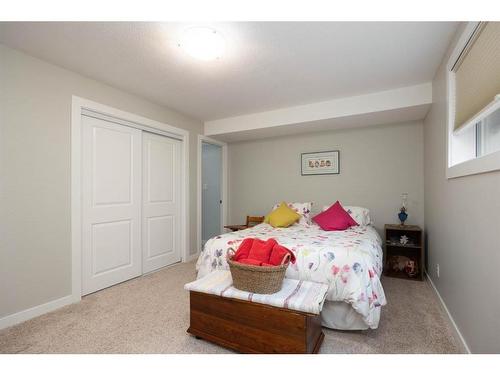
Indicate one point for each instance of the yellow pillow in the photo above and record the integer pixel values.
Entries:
(282, 217)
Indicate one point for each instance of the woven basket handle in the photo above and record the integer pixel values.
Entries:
(230, 253)
(286, 259)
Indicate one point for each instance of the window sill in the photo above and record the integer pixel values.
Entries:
(483, 164)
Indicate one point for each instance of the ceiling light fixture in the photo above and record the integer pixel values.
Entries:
(202, 43)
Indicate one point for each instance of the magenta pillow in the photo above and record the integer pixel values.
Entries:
(335, 218)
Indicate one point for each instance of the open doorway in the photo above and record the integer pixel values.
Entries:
(211, 189)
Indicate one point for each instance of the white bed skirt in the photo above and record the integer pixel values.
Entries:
(341, 315)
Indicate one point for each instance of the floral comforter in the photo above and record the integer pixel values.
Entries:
(349, 261)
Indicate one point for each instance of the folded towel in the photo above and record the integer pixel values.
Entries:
(278, 253)
(243, 250)
(252, 262)
(261, 250)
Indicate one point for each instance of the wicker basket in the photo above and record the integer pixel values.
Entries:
(257, 279)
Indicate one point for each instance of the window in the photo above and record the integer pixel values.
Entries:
(488, 134)
(474, 101)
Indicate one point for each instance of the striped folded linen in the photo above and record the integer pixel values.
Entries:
(300, 295)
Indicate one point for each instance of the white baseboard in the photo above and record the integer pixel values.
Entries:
(457, 332)
(35, 311)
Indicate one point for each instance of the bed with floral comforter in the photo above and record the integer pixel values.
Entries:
(349, 261)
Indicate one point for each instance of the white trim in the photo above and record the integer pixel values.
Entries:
(76, 199)
(121, 121)
(224, 187)
(35, 311)
(479, 164)
(458, 334)
(139, 122)
(461, 43)
(482, 164)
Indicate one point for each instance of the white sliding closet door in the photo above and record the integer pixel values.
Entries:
(111, 203)
(161, 225)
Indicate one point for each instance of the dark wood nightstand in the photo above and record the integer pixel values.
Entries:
(236, 227)
(412, 249)
(251, 221)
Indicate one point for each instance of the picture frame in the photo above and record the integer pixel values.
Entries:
(320, 163)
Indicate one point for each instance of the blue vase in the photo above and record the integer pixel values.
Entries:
(402, 217)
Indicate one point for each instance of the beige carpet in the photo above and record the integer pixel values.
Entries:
(150, 315)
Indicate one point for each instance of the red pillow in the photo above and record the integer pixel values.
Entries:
(278, 253)
(252, 262)
(243, 249)
(261, 250)
(335, 218)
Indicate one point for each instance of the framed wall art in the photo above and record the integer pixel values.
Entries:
(316, 163)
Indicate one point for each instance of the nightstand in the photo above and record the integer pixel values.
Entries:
(235, 227)
(251, 221)
(399, 249)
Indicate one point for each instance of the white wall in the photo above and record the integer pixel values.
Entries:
(377, 164)
(462, 224)
(35, 238)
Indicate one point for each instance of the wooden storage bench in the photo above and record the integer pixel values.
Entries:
(250, 327)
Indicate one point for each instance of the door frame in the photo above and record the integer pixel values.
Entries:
(78, 105)
(224, 189)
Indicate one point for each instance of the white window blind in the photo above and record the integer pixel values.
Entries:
(477, 73)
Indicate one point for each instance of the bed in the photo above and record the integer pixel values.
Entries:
(349, 261)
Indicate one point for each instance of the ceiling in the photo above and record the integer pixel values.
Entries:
(267, 65)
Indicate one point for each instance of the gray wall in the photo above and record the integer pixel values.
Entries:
(377, 164)
(462, 224)
(35, 238)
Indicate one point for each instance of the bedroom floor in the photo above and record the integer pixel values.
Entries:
(150, 314)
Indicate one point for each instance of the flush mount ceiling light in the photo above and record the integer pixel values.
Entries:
(202, 43)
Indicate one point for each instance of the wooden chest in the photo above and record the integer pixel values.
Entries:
(249, 327)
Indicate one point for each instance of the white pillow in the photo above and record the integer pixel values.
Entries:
(360, 215)
(304, 209)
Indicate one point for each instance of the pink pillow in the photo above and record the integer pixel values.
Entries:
(335, 218)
